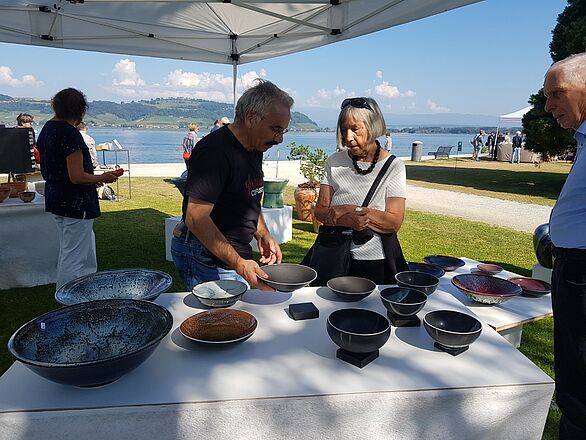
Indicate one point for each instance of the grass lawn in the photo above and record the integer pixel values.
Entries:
(519, 182)
(130, 233)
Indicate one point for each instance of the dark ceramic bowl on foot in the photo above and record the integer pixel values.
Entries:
(532, 286)
(403, 301)
(219, 327)
(287, 277)
(358, 330)
(431, 269)
(445, 262)
(418, 280)
(490, 269)
(485, 289)
(452, 329)
(219, 293)
(351, 288)
(115, 284)
(91, 343)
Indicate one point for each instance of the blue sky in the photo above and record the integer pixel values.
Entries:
(485, 58)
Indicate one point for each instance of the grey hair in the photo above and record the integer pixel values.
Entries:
(574, 68)
(260, 99)
(373, 120)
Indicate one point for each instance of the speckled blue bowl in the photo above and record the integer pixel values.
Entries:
(115, 284)
(92, 343)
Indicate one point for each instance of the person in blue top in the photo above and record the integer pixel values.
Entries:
(70, 188)
(565, 90)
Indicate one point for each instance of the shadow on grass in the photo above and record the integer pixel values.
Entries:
(532, 183)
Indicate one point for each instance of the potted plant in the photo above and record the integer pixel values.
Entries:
(313, 162)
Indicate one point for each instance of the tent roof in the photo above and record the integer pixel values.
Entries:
(221, 31)
(513, 119)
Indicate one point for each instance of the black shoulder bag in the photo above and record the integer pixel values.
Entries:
(330, 254)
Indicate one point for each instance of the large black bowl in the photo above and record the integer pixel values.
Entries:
(403, 301)
(287, 277)
(452, 329)
(445, 262)
(543, 246)
(91, 343)
(485, 288)
(358, 330)
(115, 284)
(431, 269)
(351, 288)
(418, 280)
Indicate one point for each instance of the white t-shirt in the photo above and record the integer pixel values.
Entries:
(350, 188)
(91, 145)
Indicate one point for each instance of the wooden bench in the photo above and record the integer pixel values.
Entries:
(441, 152)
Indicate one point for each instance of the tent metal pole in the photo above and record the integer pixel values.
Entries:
(234, 78)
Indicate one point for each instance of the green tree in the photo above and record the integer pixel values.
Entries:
(313, 162)
(544, 134)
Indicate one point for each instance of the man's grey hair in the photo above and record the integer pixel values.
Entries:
(574, 68)
(260, 99)
(373, 120)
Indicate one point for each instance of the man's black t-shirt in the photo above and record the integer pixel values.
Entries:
(223, 172)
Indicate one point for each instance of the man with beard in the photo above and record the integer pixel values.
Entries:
(565, 90)
(221, 206)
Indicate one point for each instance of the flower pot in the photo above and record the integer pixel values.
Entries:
(304, 197)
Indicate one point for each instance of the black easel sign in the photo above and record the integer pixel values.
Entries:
(16, 150)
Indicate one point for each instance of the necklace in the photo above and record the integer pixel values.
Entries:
(372, 164)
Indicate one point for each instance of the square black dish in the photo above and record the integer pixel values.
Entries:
(301, 311)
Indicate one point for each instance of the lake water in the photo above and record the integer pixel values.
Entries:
(164, 146)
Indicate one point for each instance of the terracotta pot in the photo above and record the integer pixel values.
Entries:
(15, 187)
(304, 197)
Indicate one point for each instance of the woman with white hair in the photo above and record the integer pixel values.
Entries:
(349, 177)
(516, 149)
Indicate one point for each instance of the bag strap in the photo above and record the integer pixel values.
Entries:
(376, 182)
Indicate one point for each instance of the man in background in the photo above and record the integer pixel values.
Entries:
(516, 148)
(90, 142)
(565, 90)
(221, 206)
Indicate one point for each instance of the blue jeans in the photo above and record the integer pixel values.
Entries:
(196, 264)
(516, 151)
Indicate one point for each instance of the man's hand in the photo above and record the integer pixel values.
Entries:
(249, 269)
(270, 251)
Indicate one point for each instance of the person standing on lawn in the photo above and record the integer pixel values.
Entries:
(221, 207)
(565, 90)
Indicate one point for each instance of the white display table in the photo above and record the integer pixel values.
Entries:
(29, 244)
(506, 318)
(286, 383)
(541, 273)
(279, 222)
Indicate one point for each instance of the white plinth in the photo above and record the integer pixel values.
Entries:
(541, 273)
(279, 222)
(170, 223)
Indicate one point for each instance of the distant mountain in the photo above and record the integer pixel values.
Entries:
(168, 112)
(328, 118)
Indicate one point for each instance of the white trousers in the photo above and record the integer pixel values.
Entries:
(77, 249)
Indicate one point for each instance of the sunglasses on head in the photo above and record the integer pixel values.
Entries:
(356, 103)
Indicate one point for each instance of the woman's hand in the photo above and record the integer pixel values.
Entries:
(357, 219)
(109, 177)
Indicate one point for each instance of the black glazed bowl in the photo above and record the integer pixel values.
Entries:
(543, 246)
(91, 343)
(485, 289)
(403, 301)
(418, 280)
(287, 277)
(431, 269)
(351, 288)
(115, 284)
(452, 329)
(358, 330)
(445, 262)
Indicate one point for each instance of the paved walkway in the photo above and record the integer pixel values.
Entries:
(513, 215)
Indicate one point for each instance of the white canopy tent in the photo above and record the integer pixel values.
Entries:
(222, 31)
(514, 119)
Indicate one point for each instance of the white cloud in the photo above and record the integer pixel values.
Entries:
(312, 102)
(333, 93)
(388, 107)
(128, 83)
(379, 74)
(6, 79)
(436, 108)
(389, 91)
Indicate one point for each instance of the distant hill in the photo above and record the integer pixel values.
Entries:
(154, 113)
